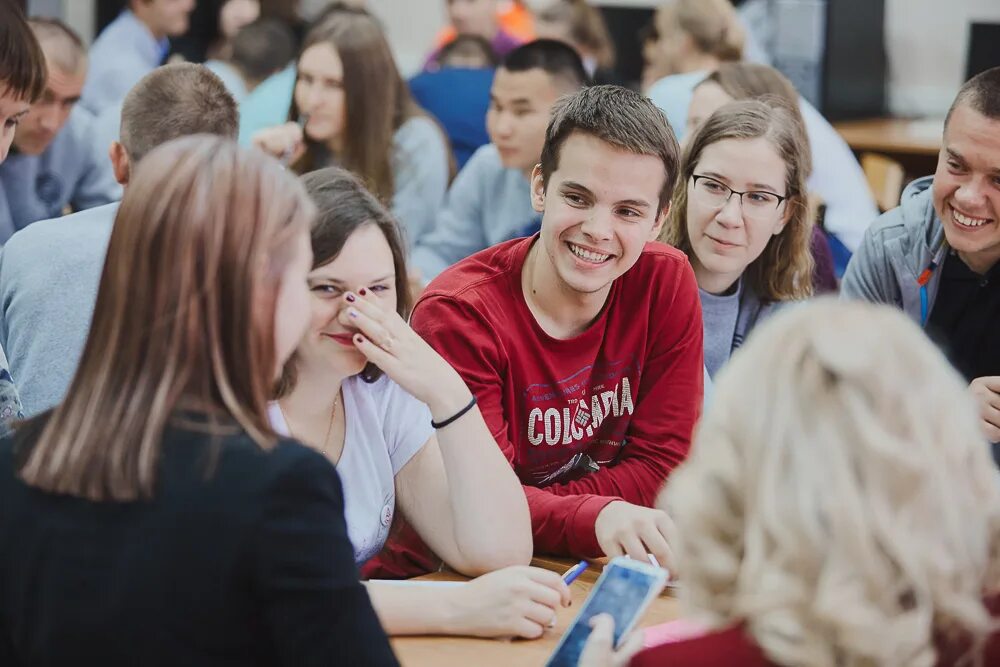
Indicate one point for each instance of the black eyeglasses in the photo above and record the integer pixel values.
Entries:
(715, 193)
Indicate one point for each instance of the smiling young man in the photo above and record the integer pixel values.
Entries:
(583, 344)
(53, 164)
(936, 255)
(489, 201)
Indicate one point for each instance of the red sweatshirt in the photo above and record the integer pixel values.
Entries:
(733, 647)
(602, 416)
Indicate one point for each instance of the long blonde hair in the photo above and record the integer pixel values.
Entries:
(783, 272)
(839, 498)
(184, 319)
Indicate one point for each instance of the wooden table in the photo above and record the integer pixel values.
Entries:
(465, 651)
(893, 136)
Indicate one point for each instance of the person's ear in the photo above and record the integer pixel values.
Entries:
(537, 189)
(661, 219)
(119, 162)
(790, 205)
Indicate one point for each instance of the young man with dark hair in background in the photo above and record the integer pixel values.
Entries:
(489, 201)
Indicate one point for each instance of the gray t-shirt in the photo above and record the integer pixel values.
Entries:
(385, 427)
(719, 315)
(49, 275)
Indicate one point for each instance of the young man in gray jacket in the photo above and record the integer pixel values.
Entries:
(53, 166)
(936, 255)
(50, 271)
(490, 200)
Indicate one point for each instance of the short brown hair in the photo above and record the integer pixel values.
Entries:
(60, 44)
(22, 63)
(617, 116)
(176, 101)
(783, 272)
(981, 93)
(344, 206)
(184, 319)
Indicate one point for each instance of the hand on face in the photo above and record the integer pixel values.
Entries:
(285, 142)
(388, 341)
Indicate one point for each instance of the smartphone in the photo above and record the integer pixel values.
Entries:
(624, 590)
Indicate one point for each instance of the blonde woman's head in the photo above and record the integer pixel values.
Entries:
(839, 498)
(696, 34)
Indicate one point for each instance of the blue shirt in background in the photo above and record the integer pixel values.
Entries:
(123, 53)
(69, 173)
(459, 98)
(487, 204)
(267, 105)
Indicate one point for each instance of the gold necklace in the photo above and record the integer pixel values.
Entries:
(329, 428)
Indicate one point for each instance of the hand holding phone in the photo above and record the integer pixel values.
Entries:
(624, 590)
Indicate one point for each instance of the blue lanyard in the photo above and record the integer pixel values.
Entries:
(925, 278)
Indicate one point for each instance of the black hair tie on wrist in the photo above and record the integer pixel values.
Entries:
(457, 415)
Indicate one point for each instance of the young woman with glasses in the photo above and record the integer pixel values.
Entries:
(739, 212)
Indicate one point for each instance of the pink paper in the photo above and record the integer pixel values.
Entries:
(672, 631)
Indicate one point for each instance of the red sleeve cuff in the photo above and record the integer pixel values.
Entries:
(582, 538)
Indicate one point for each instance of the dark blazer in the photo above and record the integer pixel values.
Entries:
(246, 562)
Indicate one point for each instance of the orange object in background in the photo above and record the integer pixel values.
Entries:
(515, 19)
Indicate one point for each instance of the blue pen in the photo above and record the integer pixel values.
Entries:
(572, 573)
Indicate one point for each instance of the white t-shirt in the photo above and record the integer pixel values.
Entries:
(385, 427)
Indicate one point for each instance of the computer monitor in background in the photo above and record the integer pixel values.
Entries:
(833, 51)
(984, 48)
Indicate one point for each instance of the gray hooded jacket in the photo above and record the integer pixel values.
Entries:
(895, 251)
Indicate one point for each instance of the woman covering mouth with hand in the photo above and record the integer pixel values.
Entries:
(403, 428)
(739, 213)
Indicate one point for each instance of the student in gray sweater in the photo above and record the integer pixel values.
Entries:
(490, 201)
(739, 213)
(937, 255)
(52, 165)
(49, 272)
